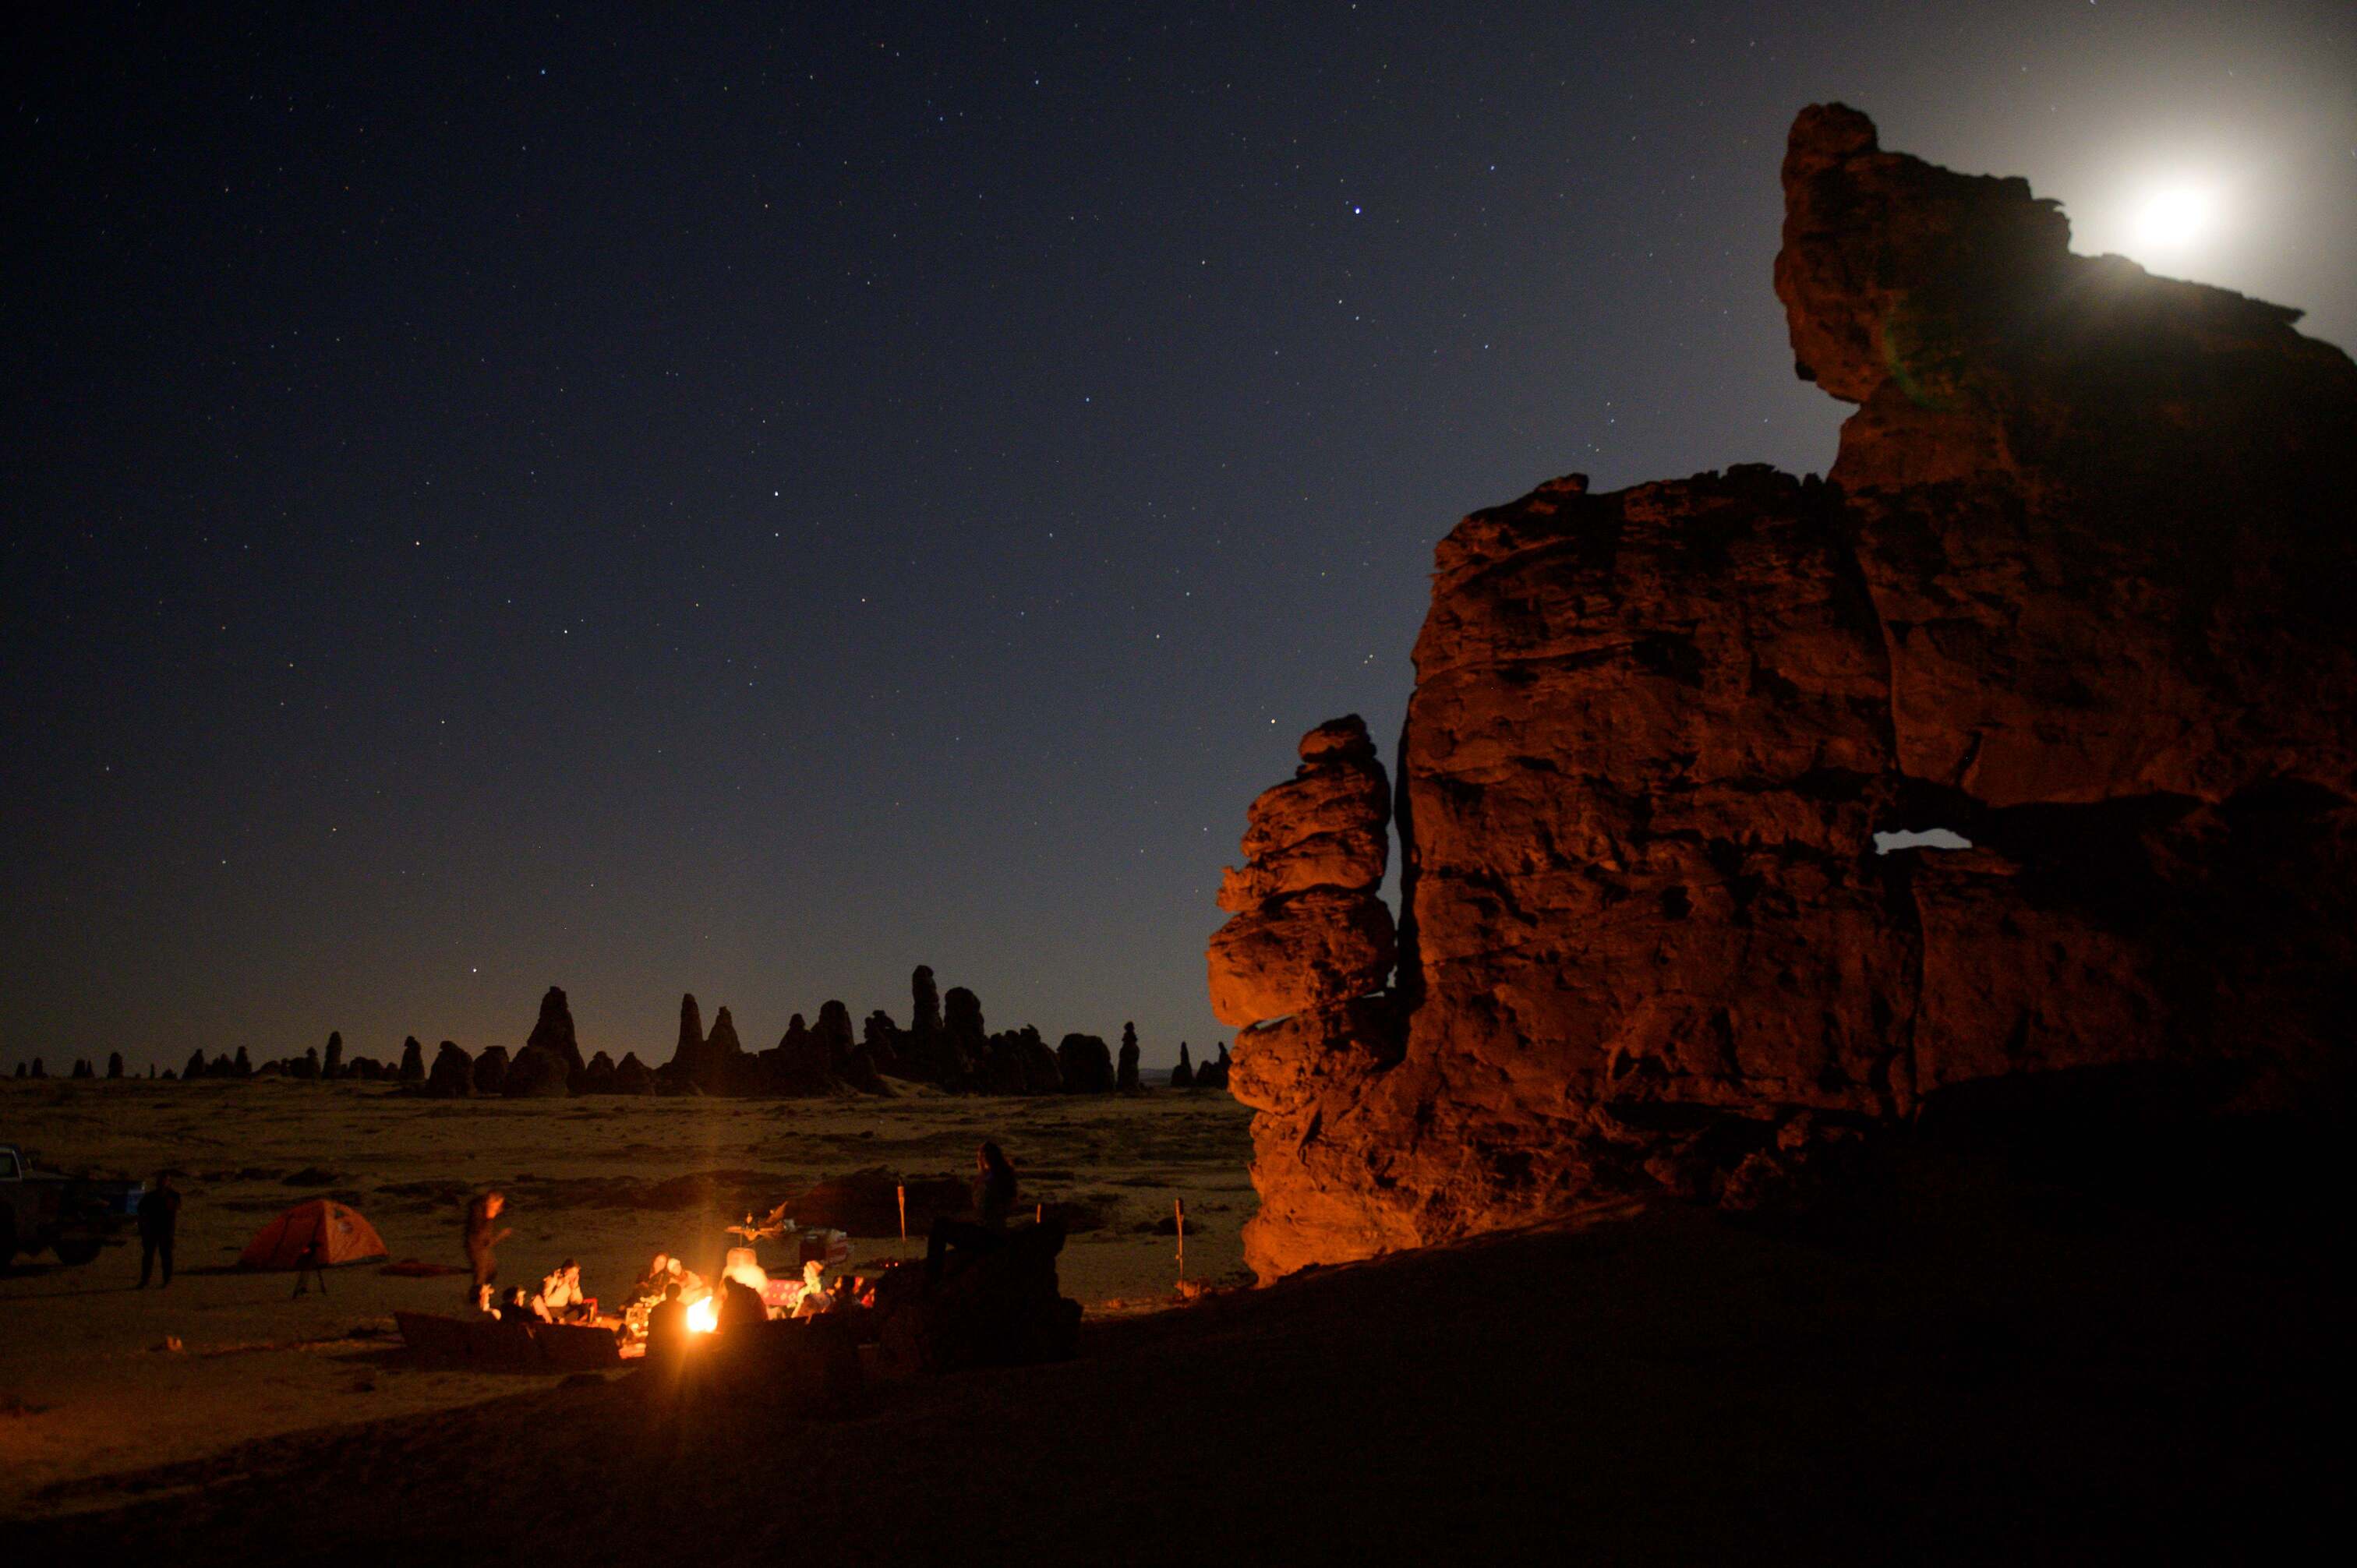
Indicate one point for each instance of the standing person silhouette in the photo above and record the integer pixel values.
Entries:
(159, 1214)
(481, 1237)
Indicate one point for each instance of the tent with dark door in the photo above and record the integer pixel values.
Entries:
(343, 1237)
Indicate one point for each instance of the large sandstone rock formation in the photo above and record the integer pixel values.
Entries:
(553, 1032)
(2070, 592)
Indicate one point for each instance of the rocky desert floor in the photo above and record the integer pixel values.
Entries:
(88, 1386)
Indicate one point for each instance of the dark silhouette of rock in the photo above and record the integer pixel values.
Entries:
(1085, 1063)
(691, 1032)
(2067, 594)
(196, 1068)
(861, 1074)
(491, 1070)
(554, 1032)
(925, 1018)
(964, 1039)
(1213, 1074)
(881, 1037)
(631, 1076)
(82, 1069)
(20, 1069)
(243, 1064)
(412, 1061)
(1002, 1068)
(1043, 1069)
(304, 1068)
(539, 1073)
(453, 1074)
(1183, 1075)
(1126, 1077)
(597, 1077)
(800, 1063)
(723, 1068)
(40, 1070)
(332, 1064)
(833, 1036)
(114, 1064)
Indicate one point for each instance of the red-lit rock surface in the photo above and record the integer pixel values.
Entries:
(2073, 591)
(1308, 928)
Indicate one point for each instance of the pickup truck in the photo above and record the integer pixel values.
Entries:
(73, 1216)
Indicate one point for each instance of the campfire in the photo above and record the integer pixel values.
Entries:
(815, 1250)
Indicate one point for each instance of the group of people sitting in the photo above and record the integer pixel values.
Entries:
(558, 1300)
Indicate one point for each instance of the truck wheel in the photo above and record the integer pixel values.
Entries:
(78, 1252)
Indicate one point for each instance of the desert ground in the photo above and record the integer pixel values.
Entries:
(89, 1388)
(1961, 1357)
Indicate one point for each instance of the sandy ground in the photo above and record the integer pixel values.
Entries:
(1956, 1368)
(87, 1388)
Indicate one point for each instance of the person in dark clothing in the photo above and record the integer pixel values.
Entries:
(666, 1326)
(481, 1237)
(740, 1307)
(160, 1213)
(993, 1199)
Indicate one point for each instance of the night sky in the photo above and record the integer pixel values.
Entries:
(749, 506)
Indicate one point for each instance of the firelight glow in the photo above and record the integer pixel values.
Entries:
(704, 1317)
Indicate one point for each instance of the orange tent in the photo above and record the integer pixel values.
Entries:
(342, 1235)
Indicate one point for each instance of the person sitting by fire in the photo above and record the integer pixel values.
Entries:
(667, 1325)
(740, 1307)
(993, 1200)
(560, 1294)
(814, 1298)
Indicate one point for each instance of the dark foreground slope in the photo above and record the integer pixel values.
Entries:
(1975, 1362)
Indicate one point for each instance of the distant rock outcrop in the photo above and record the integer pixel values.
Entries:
(332, 1064)
(114, 1064)
(453, 1074)
(412, 1061)
(964, 1039)
(1183, 1075)
(881, 1039)
(553, 1032)
(597, 1077)
(632, 1076)
(798, 1066)
(2073, 593)
(1126, 1077)
(538, 1073)
(491, 1070)
(1084, 1062)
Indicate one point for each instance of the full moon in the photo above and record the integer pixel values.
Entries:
(2173, 218)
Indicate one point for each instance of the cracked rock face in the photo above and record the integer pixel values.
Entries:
(1308, 930)
(2070, 593)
